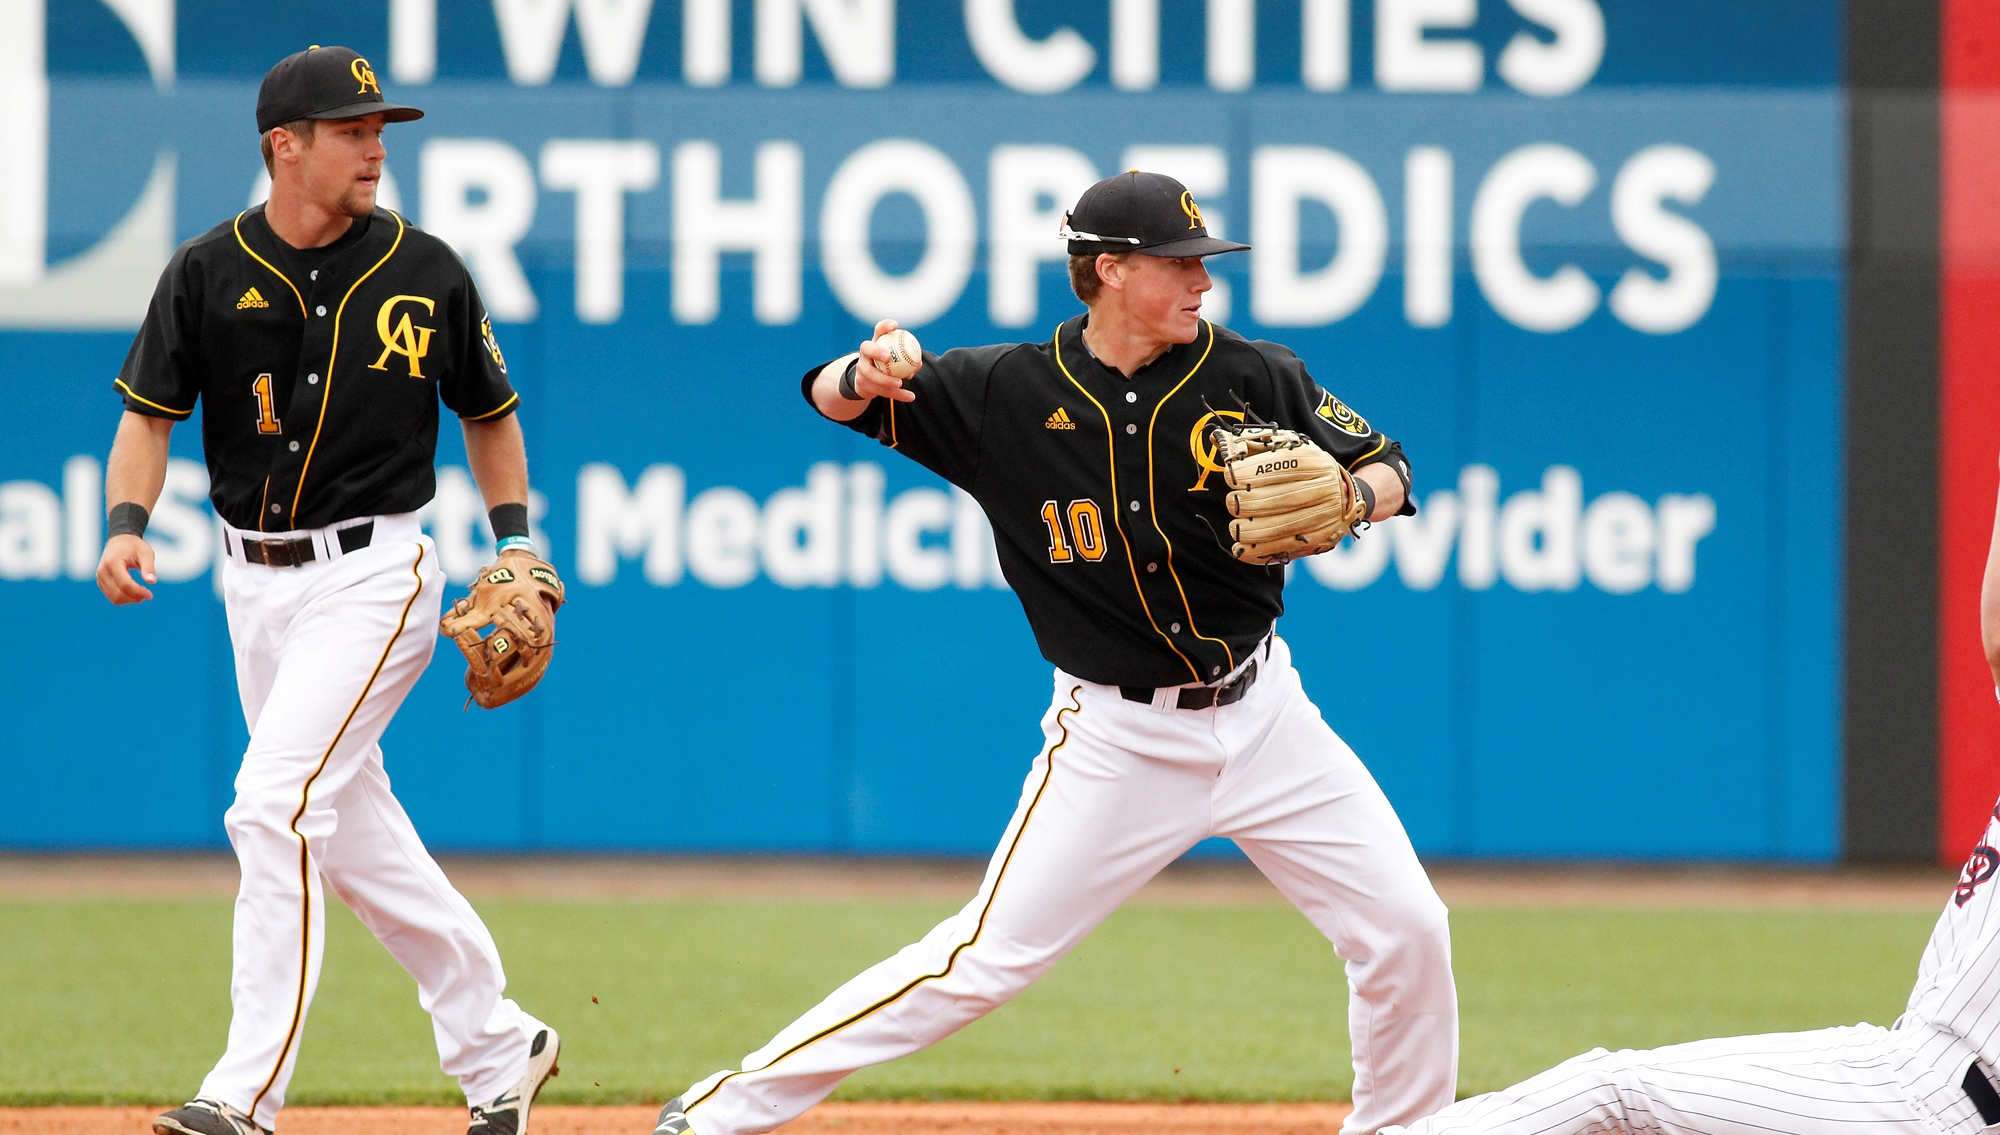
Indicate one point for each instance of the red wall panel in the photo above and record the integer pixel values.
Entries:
(1969, 413)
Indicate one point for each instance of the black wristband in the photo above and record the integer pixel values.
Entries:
(847, 389)
(508, 520)
(127, 519)
(1366, 492)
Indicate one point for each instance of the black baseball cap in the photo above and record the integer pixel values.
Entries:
(1137, 211)
(324, 82)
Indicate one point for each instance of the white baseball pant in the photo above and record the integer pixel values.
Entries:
(1119, 791)
(325, 653)
(1859, 1079)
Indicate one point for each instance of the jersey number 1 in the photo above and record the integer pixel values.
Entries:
(1086, 525)
(267, 416)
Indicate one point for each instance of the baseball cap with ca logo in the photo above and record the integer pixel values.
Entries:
(324, 82)
(1136, 211)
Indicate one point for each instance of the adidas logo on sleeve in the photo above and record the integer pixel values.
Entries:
(251, 298)
(1060, 420)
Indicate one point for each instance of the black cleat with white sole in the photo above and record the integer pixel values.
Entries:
(207, 1117)
(508, 1115)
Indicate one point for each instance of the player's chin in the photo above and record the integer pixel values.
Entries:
(358, 201)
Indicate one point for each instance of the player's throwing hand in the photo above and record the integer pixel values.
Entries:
(122, 554)
(886, 361)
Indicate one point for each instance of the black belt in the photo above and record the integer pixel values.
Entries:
(1200, 697)
(292, 553)
(1983, 1096)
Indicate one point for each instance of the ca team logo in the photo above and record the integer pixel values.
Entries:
(365, 75)
(1336, 411)
(1203, 447)
(1192, 210)
(403, 337)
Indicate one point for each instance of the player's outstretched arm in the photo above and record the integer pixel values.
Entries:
(1989, 601)
(870, 383)
(134, 475)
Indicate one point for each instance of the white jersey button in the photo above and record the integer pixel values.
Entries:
(1156, 567)
(277, 508)
(1135, 506)
(1174, 627)
(312, 380)
(295, 447)
(1131, 429)
(1130, 395)
(321, 310)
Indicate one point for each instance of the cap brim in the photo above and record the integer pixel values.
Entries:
(387, 110)
(1193, 246)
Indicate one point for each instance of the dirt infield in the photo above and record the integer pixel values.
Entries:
(827, 1119)
(202, 875)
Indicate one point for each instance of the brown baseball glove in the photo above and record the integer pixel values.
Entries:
(1290, 497)
(518, 598)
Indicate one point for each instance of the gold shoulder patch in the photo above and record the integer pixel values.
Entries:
(1336, 411)
(492, 344)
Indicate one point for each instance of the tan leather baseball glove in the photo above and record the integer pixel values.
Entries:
(518, 598)
(1290, 497)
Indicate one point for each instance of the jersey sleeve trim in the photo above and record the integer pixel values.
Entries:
(169, 411)
(502, 408)
(333, 355)
(237, 226)
(1111, 460)
(1371, 454)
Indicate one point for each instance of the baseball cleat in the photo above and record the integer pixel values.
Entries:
(508, 1115)
(207, 1117)
(673, 1119)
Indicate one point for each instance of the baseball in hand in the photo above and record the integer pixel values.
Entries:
(905, 355)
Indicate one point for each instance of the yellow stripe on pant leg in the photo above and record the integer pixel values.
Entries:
(1075, 706)
(305, 855)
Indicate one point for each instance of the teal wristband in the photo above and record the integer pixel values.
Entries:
(509, 543)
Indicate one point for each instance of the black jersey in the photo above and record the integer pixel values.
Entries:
(1106, 501)
(319, 370)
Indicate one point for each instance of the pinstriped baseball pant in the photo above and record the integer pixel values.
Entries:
(1856, 1080)
(1119, 791)
(325, 654)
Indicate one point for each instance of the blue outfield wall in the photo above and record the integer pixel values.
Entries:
(1605, 322)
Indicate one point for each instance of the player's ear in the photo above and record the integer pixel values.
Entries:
(286, 144)
(1111, 270)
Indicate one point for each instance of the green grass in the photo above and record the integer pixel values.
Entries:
(119, 1001)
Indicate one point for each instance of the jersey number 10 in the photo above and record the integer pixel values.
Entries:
(1086, 526)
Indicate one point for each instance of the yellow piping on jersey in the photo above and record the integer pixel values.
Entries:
(333, 354)
(1117, 514)
(1075, 706)
(135, 396)
(1152, 500)
(1379, 447)
(237, 226)
(305, 848)
(495, 410)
